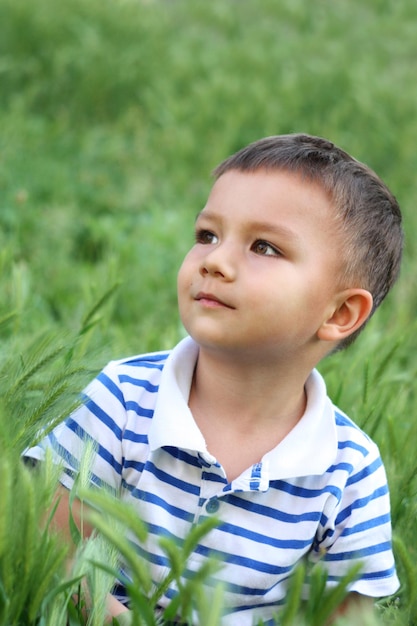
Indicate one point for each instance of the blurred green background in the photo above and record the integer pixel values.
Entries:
(113, 114)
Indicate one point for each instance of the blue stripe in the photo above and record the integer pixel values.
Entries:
(239, 589)
(99, 450)
(139, 382)
(371, 523)
(329, 533)
(103, 417)
(340, 467)
(358, 554)
(146, 360)
(323, 520)
(132, 405)
(303, 492)
(354, 446)
(150, 365)
(157, 559)
(145, 496)
(70, 473)
(214, 478)
(267, 511)
(63, 452)
(367, 471)
(381, 574)
(360, 503)
(93, 479)
(74, 427)
(171, 480)
(112, 387)
(262, 605)
(98, 482)
(109, 458)
(236, 559)
(238, 531)
(343, 420)
(182, 455)
(256, 476)
(130, 435)
(160, 531)
(136, 465)
(388, 573)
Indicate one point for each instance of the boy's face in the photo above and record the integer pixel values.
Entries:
(262, 276)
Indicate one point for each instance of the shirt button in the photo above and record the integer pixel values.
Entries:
(212, 506)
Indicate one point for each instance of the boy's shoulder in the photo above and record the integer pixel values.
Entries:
(347, 425)
(185, 351)
(139, 366)
(131, 374)
(352, 439)
(148, 359)
(181, 358)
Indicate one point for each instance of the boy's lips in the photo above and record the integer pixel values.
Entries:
(210, 299)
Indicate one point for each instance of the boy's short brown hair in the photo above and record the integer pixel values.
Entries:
(367, 212)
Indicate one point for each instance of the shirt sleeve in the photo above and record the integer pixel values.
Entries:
(90, 440)
(358, 530)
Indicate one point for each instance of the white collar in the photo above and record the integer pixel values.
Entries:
(173, 423)
(311, 446)
(309, 449)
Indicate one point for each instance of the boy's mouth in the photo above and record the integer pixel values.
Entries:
(210, 300)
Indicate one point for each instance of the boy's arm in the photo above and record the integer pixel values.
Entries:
(357, 606)
(357, 527)
(61, 517)
(61, 525)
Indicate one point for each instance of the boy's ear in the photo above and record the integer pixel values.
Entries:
(353, 309)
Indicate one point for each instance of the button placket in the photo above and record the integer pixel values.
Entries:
(213, 481)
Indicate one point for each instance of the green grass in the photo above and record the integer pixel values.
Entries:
(112, 115)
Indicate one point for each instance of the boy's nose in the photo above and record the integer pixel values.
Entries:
(219, 262)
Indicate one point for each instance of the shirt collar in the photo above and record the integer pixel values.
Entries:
(309, 449)
(311, 446)
(173, 423)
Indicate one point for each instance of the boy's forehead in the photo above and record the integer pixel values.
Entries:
(273, 187)
(261, 176)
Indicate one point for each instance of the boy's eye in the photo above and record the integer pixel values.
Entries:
(264, 248)
(205, 237)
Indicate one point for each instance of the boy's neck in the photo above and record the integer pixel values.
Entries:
(271, 390)
(245, 409)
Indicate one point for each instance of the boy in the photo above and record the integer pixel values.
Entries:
(296, 247)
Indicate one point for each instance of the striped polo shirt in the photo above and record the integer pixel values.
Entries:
(321, 493)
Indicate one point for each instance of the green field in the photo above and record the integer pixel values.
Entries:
(112, 115)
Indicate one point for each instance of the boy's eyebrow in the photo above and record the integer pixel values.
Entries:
(278, 229)
(281, 230)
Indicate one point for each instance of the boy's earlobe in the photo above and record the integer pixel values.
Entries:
(354, 309)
